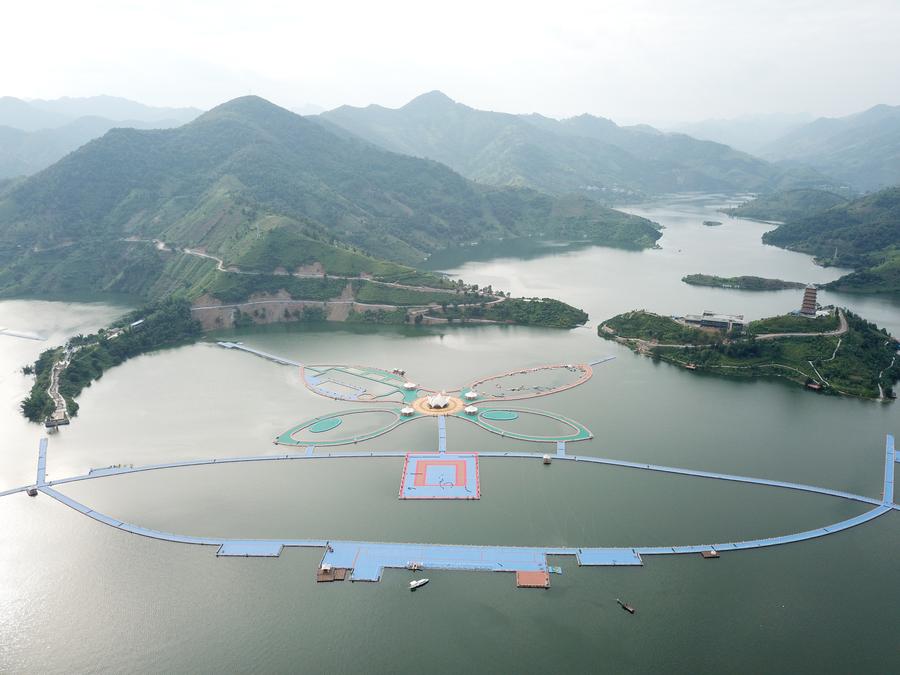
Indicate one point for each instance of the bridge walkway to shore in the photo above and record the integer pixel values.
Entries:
(271, 357)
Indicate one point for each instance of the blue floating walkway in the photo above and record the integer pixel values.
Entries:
(608, 556)
(442, 434)
(251, 549)
(368, 559)
(890, 456)
(42, 462)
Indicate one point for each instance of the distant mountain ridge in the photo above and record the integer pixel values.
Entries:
(861, 150)
(748, 133)
(23, 153)
(585, 154)
(247, 172)
(35, 134)
(51, 114)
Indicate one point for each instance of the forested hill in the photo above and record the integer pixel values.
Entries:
(227, 181)
(787, 205)
(863, 233)
(586, 154)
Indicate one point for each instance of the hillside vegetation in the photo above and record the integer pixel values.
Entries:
(261, 188)
(861, 362)
(863, 234)
(650, 327)
(164, 324)
(787, 205)
(545, 312)
(744, 283)
(586, 154)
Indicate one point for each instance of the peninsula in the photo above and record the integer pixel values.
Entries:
(839, 354)
(744, 283)
(61, 373)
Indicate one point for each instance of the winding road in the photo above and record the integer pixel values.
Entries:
(838, 331)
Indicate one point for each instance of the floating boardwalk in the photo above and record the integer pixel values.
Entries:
(437, 475)
(271, 357)
(367, 560)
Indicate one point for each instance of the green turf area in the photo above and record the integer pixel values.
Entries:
(499, 415)
(652, 327)
(790, 323)
(522, 311)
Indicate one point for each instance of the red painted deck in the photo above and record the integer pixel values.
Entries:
(532, 579)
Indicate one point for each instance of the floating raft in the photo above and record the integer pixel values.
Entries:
(324, 575)
(532, 579)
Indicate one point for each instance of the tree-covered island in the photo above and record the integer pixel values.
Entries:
(839, 354)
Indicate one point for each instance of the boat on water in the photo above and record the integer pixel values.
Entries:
(628, 608)
(416, 583)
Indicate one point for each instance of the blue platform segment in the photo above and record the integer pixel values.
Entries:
(440, 476)
(251, 549)
(888, 494)
(442, 434)
(368, 560)
(608, 556)
(42, 462)
(560, 448)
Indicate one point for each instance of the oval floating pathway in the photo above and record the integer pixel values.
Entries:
(327, 424)
(499, 415)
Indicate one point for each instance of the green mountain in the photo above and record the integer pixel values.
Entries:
(863, 233)
(585, 154)
(260, 188)
(23, 153)
(861, 150)
(787, 205)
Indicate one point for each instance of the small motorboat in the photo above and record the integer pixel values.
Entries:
(416, 583)
(626, 607)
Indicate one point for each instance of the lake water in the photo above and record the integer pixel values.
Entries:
(78, 596)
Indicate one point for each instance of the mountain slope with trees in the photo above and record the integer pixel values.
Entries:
(863, 234)
(787, 205)
(585, 154)
(250, 177)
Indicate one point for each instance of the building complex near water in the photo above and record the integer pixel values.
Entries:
(715, 320)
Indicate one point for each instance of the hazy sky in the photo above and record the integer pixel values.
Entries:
(632, 60)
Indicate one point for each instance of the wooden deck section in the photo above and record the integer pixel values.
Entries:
(532, 580)
(332, 574)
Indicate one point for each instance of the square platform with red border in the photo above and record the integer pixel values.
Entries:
(440, 476)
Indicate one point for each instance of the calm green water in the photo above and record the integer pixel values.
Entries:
(78, 596)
